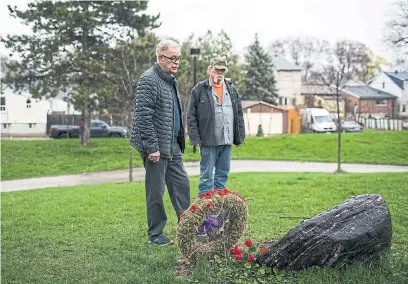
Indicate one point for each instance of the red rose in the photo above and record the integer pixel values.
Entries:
(206, 195)
(248, 243)
(251, 258)
(226, 191)
(193, 208)
(264, 249)
(238, 256)
(238, 250)
(208, 205)
(232, 250)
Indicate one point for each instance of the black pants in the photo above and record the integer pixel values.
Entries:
(172, 174)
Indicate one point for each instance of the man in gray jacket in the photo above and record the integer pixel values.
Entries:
(158, 135)
(215, 122)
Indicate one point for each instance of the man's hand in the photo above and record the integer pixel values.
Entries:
(154, 157)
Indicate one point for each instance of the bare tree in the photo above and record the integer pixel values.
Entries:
(304, 52)
(344, 61)
(396, 34)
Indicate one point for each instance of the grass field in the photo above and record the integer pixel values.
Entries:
(97, 233)
(24, 159)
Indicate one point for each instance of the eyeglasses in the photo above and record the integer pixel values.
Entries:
(173, 59)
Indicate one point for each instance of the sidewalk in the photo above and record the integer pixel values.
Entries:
(192, 168)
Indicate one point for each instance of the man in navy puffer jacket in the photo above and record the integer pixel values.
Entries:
(158, 135)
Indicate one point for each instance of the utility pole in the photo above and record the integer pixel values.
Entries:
(195, 52)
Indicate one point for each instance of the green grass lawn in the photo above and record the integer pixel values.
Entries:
(24, 159)
(97, 233)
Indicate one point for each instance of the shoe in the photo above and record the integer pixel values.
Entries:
(162, 240)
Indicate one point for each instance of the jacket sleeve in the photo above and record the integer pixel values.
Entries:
(146, 95)
(192, 121)
(241, 122)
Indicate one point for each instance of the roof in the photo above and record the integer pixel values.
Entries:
(247, 104)
(398, 78)
(281, 64)
(367, 92)
(317, 90)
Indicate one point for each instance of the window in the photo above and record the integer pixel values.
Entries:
(28, 103)
(404, 108)
(286, 101)
(383, 85)
(381, 102)
(3, 103)
(30, 125)
(5, 125)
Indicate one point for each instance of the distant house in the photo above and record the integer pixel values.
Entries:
(23, 115)
(394, 83)
(322, 96)
(274, 119)
(288, 78)
(365, 101)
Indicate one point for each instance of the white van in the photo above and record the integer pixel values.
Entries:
(318, 120)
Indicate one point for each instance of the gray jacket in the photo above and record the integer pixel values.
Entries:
(153, 117)
(201, 122)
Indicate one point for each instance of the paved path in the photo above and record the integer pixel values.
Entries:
(192, 168)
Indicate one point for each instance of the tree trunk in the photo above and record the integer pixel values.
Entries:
(338, 132)
(129, 124)
(86, 126)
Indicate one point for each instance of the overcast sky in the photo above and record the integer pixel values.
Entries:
(362, 20)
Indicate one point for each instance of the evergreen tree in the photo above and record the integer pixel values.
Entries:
(66, 52)
(260, 79)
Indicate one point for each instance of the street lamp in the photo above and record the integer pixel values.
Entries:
(195, 52)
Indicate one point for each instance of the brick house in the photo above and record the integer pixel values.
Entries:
(364, 101)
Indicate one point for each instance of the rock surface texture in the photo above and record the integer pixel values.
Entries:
(357, 231)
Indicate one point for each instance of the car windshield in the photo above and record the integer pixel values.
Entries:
(322, 119)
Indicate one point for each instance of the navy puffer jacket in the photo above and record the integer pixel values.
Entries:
(153, 117)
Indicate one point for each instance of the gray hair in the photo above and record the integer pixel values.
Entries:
(164, 45)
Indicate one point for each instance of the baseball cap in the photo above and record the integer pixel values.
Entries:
(219, 63)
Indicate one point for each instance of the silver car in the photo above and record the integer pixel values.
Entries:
(351, 126)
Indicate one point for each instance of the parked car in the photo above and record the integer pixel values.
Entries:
(318, 120)
(351, 126)
(99, 128)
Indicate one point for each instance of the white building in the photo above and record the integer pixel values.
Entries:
(394, 83)
(288, 78)
(24, 115)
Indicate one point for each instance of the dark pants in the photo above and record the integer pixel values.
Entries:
(173, 174)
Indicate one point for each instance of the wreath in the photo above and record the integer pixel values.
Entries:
(213, 223)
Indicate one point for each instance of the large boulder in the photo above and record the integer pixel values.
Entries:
(355, 232)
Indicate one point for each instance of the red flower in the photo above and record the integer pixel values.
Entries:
(238, 250)
(248, 243)
(233, 250)
(206, 195)
(238, 256)
(264, 249)
(193, 208)
(208, 205)
(251, 258)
